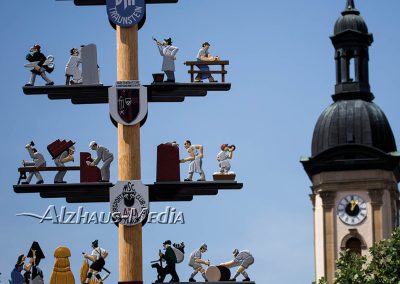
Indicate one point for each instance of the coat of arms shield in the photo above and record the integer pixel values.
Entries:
(128, 102)
(129, 202)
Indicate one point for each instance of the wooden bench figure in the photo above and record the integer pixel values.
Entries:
(221, 63)
(87, 173)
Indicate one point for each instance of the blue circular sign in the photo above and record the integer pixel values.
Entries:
(126, 13)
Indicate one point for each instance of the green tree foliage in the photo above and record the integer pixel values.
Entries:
(321, 281)
(351, 269)
(383, 267)
(385, 262)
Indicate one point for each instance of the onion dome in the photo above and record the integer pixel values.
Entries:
(350, 20)
(356, 122)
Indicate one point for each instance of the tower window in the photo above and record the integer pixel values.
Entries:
(352, 70)
(354, 245)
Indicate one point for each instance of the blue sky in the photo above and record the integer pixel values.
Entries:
(282, 74)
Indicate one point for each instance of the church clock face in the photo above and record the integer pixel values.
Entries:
(352, 210)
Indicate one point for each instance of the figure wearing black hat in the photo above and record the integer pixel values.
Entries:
(98, 257)
(40, 65)
(168, 52)
(170, 258)
(36, 255)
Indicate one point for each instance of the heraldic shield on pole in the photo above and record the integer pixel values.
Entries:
(128, 102)
(126, 13)
(129, 202)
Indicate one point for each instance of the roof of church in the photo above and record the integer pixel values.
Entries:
(352, 122)
(353, 119)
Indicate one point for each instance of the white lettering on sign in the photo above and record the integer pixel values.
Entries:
(120, 20)
(128, 84)
(126, 3)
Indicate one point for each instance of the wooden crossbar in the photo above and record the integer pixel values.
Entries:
(44, 169)
(23, 170)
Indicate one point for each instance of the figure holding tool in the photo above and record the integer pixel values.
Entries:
(104, 155)
(173, 254)
(40, 64)
(168, 52)
(97, 257)
(37, 161)
(195, 261)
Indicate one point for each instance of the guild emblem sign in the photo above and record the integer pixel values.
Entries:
(128, 102)
(129, 202)
(126, 13)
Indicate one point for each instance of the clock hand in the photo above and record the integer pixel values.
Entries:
(354, 203)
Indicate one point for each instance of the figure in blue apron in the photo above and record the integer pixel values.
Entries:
(204, 55)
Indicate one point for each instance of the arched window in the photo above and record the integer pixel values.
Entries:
(354, 245)
(354, 242)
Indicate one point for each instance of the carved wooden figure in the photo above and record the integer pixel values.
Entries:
(223, 158)
(62, 271)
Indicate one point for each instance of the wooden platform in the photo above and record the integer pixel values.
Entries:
(98, 94)
(99, 192)
(103, 2)
(219, 282)
(24, 170)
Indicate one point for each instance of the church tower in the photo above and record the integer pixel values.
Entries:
(354, 164)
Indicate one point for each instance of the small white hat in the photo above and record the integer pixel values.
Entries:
(91, 144)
